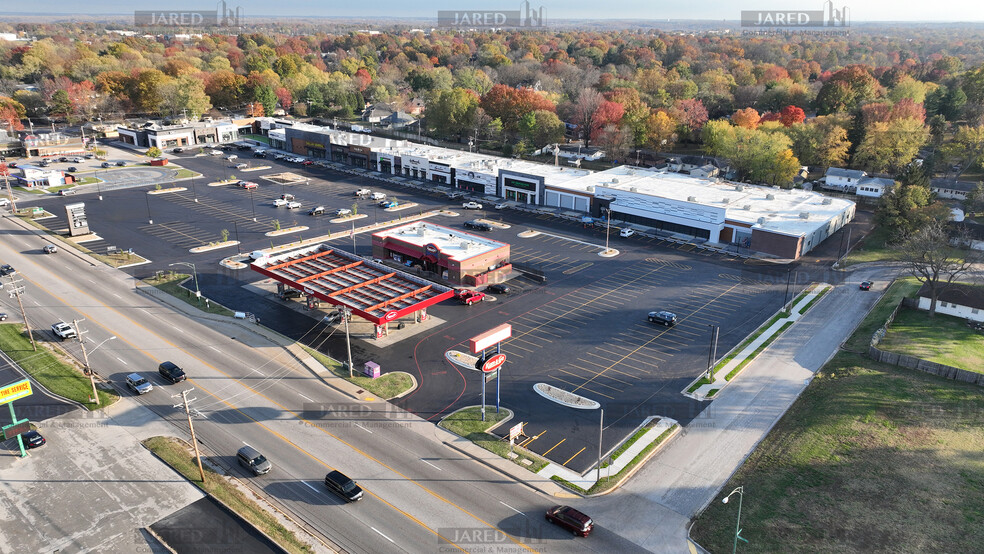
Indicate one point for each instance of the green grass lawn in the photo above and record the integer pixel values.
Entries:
(171, 284)
(942, 339)
(870, 458)
(386, 386)
(183, 173)
(53, 371)
(875, 247)
(258, 138)
(87, 181)
(180, 456)
(900, 289)
(468, 424)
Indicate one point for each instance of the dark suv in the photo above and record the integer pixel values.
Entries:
(171, 372)
(663, 318)
(478, 225)
(341, 485)
(570, 519)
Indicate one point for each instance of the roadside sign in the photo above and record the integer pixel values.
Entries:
(20, 428)
(490, 338)
(515, 431)
(489, 377)
(493, 363)
(13, 391)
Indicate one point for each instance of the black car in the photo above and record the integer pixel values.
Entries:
(106, 164)
(7, 269)
(73, 169)
(120, 164)
(866, 285)
(663, 318)
(478, 225)
(33, 439)
(259, 154)
(340, 484)
(63, 159)
(171, 372)
(242, 147)
(498, 288)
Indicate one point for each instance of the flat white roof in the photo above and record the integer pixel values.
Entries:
(779, 209)
(456, 244)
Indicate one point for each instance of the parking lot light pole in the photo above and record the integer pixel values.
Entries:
(239, 249)
(198, 292)
(785, 297)
(194, 189)
(251, 204)
(150, 220)
(741, 496)
(601, 434)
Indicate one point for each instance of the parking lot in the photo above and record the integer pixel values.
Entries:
(583, 329)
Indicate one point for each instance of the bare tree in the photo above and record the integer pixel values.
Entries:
(584, 110)
(930, 256)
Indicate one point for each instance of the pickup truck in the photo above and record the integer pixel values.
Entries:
(63, 331)
(363, 192)
(469, 297)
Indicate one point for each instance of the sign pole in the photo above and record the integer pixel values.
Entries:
(20, 439)
(498, 379)
(483, 389)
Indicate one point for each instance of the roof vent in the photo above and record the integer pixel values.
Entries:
(770, 197)
(614, 180)
(725, 200)
(827, 201)
(691, 199)
(746, 207)
(804, 215)
(633, 189)
(590, 188)
(739, 188)
(761, 221)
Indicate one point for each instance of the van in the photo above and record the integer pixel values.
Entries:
(338, 483)
(251, 459)
(377, 196)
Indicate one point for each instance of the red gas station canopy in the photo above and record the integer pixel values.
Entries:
(371, 290)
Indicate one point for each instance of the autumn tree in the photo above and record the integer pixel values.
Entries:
(746, 117)
(615, 140)
(890, 146)
(583, 111)
(791, 115)
(452, 112)
(265, 96)
(509, 104)
(608, 114)
(153, 152)
(929, 255)
(691, 117)
(910, 205)
(541, 128)
(821, 142)
(758, 155)
(660, 130)
(11, 113)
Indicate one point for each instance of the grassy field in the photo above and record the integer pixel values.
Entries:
(53, 371)
(171, 284)
(875, 247)
(870, 458)
(182, 173)
(468, 424)
(901, 288)
(386, 386)
(179, 456)
(942, 339)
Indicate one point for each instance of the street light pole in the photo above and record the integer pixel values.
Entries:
(194, 189)
(741, 496)
(601, 434)
(251, 204)
(608, 227)
(348, 341)
(150, 220)
(194, 271)
(785, 297)
(239, 249)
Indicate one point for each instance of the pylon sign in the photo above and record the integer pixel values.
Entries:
(13, 391)
(490, 364)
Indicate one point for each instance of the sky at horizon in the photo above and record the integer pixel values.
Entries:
(962, 11)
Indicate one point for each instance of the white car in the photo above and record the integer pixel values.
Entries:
(363, 192)
(138, 384)
(626, 232)
(471, 206)
(4, 202)
(377, 196)
(502, 205)
(343, 211)
(279, 203)
(241, 166)
(293, 205)
(63, 330)
(231, 157)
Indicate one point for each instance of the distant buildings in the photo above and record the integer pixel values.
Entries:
(855, 181)
(154, 133)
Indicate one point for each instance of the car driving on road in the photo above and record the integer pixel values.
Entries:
(63, 330)
(471, 206)
(138, 384)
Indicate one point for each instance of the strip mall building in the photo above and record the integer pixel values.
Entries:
(767, 220)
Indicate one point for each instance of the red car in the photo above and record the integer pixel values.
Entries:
(469, 297)
(570, 519)
(307, 162)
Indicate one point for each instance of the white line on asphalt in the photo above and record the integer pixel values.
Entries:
(381, 534)
(122, 360)
(254, 371)
(116, 295)
(363, 428)
(214, 348)
(430, 464)
(511, 508)
(312, 486)
(304, 397)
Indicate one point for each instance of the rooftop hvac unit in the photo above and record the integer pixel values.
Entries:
(421, 231)
(739, 188)
(725, 200)
(770, 197)
(590, 188)
(691, 199)
(827, 201)
(633, 189)
(746, 207)
(761, 221)
(614, 180)
(804, 215)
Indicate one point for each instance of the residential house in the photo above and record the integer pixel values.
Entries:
(706, 170)
(375, 113)
(874, 187)
(416, 106)
(398, 120)
(952, 189)
(843, 180)
(959, 300)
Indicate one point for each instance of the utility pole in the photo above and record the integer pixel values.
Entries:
(85, 359)
(191, 426)
(17, 291)
(10, 193)
(348, 341)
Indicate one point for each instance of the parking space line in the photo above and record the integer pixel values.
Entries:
(609, 377)
(554, 446)
(511, 353)
(513, 344)
(616, 389)
(529, 441)
(531, 343)
(574, 456)
(585, 388)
